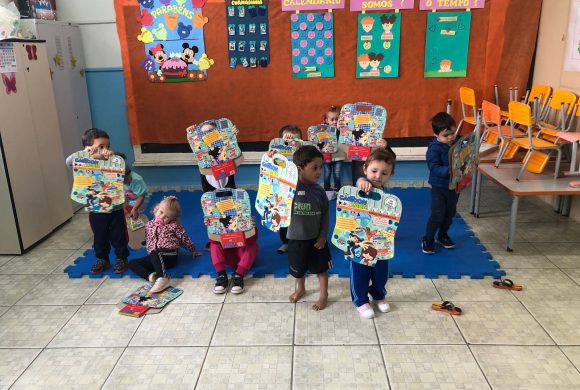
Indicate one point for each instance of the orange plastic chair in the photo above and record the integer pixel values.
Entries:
(556, 114)
(536, 159)
(491, 115)
(552, 134)
(467, 97)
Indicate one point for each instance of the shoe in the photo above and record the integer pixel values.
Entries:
(121, 265)
(152, 277)
(446, 242)
(221, 283)
(160, 285)
(428, 249)
(383, 306)
(99, 266)
(237, 284)
(366, 311)
(283, 249)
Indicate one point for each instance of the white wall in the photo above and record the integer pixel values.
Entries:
(98, 30)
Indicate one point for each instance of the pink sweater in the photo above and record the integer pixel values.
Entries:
(169, 236)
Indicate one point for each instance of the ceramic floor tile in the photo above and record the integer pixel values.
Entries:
(14, 287)
(70, 236)
(544, 285)
(563, 255)
(255, 324)
(574, 273)
(39, 261)
(525, 255)
(96, 326)
(416, 323)
(559, 319)
(432, 367)
(3, 309)
(111, 291)
(548, 232)
(70, 261)
(197, 290)
(471, 290)
(32, 326)
(157, 368)
(60, 290)
(490, 233)
(338, 289)
(526, 367)
(13, 362)
(507, 323)
(75, 368)
(413, 290)
(337, 324)
(573, 354)
(339, 367)
(246, 368)
(267, 289)
(178, 325)
(5, 259)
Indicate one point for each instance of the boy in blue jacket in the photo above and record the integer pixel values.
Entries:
(443, 200)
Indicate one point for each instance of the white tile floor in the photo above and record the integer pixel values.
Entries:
(62, 333)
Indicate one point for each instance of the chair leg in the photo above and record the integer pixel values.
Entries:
(458, 129)
(524, 164)
(502, 149)
(558, 160)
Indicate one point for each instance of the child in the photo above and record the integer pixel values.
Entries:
(163, 235)
(289, 133)
(335, 166)
(378, 168)
(307, 248)
(241, 258)
(136, 191)
(443, 200)
(108, 228)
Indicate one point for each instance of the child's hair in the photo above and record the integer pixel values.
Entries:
(172, 204)
(92, 134)
(331, 109)
(127, 165)
(442, 121)
(305, 154)
(382, 155)
(290, 129)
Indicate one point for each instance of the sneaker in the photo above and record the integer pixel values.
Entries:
(121, 265)
(237, 284)
(221, 283)
(152, 277)
(383, 306)
(446, 242)
(366, 311)
(283, 249)
(160, 285)
(428, 249)
(99, 266)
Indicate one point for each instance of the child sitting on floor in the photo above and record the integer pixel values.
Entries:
(163, 235)
(136, 191)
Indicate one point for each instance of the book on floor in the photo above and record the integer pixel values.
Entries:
(133, 310)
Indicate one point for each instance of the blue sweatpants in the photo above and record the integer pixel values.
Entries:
(365, 280)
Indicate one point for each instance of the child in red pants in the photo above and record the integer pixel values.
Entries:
(241, 259)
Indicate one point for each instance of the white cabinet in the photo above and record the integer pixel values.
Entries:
(34, 188)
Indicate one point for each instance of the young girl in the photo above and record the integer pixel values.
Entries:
(163, 235)
(335, 166)
(378, 168)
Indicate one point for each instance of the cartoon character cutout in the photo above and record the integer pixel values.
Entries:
(367, 23)
(364, 61)
(158, 54)
(445, 66)
(375, 61)
(387, 22)
(188, 54)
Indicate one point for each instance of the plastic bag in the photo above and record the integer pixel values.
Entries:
(9, 20)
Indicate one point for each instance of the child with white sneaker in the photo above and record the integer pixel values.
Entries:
(163, 235)
(364, 279)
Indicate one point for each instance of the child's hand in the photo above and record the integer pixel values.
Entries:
(106, 153)
(382, 143)
(295, 143)
(271, 153)
(288, 137)
(340, 123)
(364, 185)
(235, 130)
(319, 244)
(135, 213)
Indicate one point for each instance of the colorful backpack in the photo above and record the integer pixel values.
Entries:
(323, 136)
(287, 147)
(363, 125)
(278, 181)
(98, 184)
(216, 150)
(366, 225)
(462, 162)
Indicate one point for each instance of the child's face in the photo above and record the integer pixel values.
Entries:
(446, 136)
(332, 118)
(163, 214)
(311, 172)
(387, 26)
(101, 143)
(378, 173)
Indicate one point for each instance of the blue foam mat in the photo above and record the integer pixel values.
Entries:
(469, 258)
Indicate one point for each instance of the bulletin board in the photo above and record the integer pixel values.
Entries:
(259, 103)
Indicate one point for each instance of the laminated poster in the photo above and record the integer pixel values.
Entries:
(248, 33)
(462, 162)
(98, 184)
(312, 37)
(278, 181)
(323, 136)
(378, 43)
(366, 225)
(287, 147)
(363, 125)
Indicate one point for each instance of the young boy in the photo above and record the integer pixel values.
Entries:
(443, 200)
(136, 191)
(108, 228)
(307, 247)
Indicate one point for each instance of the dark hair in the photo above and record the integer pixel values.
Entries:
(290, 129)
(306, 154)
(334, 109)
(385, 155)
(127, 165)
(376, 57)
(92, 134)
(442, 121)
(388, 19)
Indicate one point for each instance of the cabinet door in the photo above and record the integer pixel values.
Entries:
(48, 136)
(9, 241)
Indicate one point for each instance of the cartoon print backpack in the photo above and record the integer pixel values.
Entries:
(216, 150)
(323, 136)
(287, 147)
(278, 181)
(98, 184)
(228, 216)
(366, 225)
(462, 162)
(363, 125)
